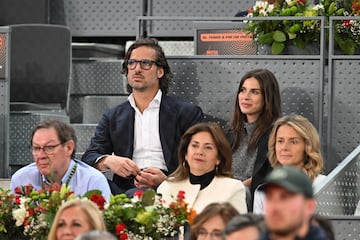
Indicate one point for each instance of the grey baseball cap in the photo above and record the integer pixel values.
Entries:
(291, 178)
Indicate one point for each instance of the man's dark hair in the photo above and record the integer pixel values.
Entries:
(243, 221)
(161, 61)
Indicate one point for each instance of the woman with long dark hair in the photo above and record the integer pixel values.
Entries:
(257, 106)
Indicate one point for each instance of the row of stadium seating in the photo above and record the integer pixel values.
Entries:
(324, 89)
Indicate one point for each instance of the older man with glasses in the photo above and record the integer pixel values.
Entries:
(138, 140)
(53, 145)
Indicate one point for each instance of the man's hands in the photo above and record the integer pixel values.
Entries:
(121, 166)
(150, 178)
(125, 167)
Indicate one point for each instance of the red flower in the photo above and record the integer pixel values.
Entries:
(28, 189)
(31, 212)
(301, 1)
(120, 228)
(26, 221)
(17, 190)
(138, 193)
(172, 205)
(99, 200)
(346, 23)
(123, 236)
(39, 209)
(356, 7)
(54, 187)
(181, 195)
(17, 200)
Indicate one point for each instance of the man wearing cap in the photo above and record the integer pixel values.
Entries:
(289, 206)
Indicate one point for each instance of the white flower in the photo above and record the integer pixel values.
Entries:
(249, 15)
(318, 7)
(291, 2)
(271, 7)
(36, 226)
(127, 205)
(19, 215)
(264, 8)
(135, 199)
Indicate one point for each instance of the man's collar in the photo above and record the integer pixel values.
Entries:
(47, 182)
(156, 99)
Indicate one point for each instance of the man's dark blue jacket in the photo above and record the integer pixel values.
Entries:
(115, 133)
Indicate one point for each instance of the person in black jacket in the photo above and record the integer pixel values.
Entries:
(257, 106)
(138, 140)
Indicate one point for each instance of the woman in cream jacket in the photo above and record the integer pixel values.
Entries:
(204, 171)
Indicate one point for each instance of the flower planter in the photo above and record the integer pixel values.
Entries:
(338, 51)
(312, 49)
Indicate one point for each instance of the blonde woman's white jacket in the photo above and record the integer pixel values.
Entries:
(221, 189)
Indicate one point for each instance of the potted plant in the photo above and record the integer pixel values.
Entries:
(346, 32)
(146, 216)
(282, 33)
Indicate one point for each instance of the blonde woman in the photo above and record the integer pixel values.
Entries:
(74, 218)
(294, 141)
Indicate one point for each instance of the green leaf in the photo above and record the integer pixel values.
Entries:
(292, 35)
(340, 12)
(332, 8)
(277, 47)
(294, 10)
(299, 43)
(145, 217)
(286, 12)
(148, 198)
(347, 46)
(91, 192)
(279, 36)
(265, 38)
(295, 28)
(130, 213)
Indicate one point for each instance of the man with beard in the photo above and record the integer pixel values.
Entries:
(289, 206)
(138, 140)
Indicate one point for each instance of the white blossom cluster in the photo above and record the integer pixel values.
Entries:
(36, 227)
(20, 213)
(353, 26)
(263, 7)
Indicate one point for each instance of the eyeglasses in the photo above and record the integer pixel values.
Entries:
(50, 149)
(202, 234)
(145, 64)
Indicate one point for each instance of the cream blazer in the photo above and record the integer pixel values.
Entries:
(221, 189)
